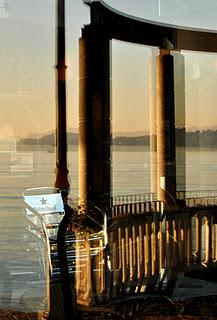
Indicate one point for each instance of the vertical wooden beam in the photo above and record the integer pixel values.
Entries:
(152, 119)
(180, 119)
(166, 155)
(199, 237)
(94, 121)
(209, 238)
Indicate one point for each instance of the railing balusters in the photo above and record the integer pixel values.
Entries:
(189, 240)
(123, 261)
(115, 263)
(135, 258)
(127, 255)
(209, 249)
(141, 256)
(148, 247)
(130, 254)
(199, 238)
(215, 239)
(143, 244)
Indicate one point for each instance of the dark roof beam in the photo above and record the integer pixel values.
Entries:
(131, 29)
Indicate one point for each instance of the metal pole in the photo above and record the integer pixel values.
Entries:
(68, 282)
(61, 135)
(62, 182)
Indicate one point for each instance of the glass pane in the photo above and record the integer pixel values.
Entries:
(145, 251)
(200, 71)
(27, 158)
(130, 119)
(198, 14)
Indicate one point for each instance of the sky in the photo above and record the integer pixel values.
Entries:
(27, 61)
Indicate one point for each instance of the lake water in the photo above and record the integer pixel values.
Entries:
(130, 175)
(130, 170)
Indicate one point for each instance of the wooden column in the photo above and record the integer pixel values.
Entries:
(94, 120)
(209, 238)
(166, 156)
(152, 119)
(180, 119)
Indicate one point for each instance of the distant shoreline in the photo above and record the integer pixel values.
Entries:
(205, 138)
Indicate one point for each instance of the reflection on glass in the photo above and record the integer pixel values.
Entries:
(130, 118)
(198, 14)
(200, 69)
(151, 246)
(27, 124)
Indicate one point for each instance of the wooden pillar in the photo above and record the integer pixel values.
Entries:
(94, 120)
(166, 155)
(199, 238)
(152, 119)
(180, 119)
(209, 238)
(189, 239)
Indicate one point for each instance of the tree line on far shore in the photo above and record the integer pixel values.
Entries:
(204, 138)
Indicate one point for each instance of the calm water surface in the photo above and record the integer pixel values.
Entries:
(130, 175)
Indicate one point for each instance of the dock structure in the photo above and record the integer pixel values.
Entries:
(149, 245)
(154, 238)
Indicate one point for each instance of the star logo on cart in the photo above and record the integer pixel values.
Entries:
(43, 201)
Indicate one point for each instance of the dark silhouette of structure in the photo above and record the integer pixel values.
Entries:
(149, 236)
(152, 239)
(94, 109)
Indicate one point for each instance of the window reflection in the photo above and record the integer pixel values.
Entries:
(27, 125)
(27, 149)
(197, 14)
(200, 81)
(130, 118)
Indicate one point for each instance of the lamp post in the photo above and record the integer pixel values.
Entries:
(61, 181)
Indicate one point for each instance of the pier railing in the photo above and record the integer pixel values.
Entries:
(196, 194)
(147, 249)
(197, 198)
(147, 202)
(133, 198)
(150, 247)
(120, 210)
(204, 201)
